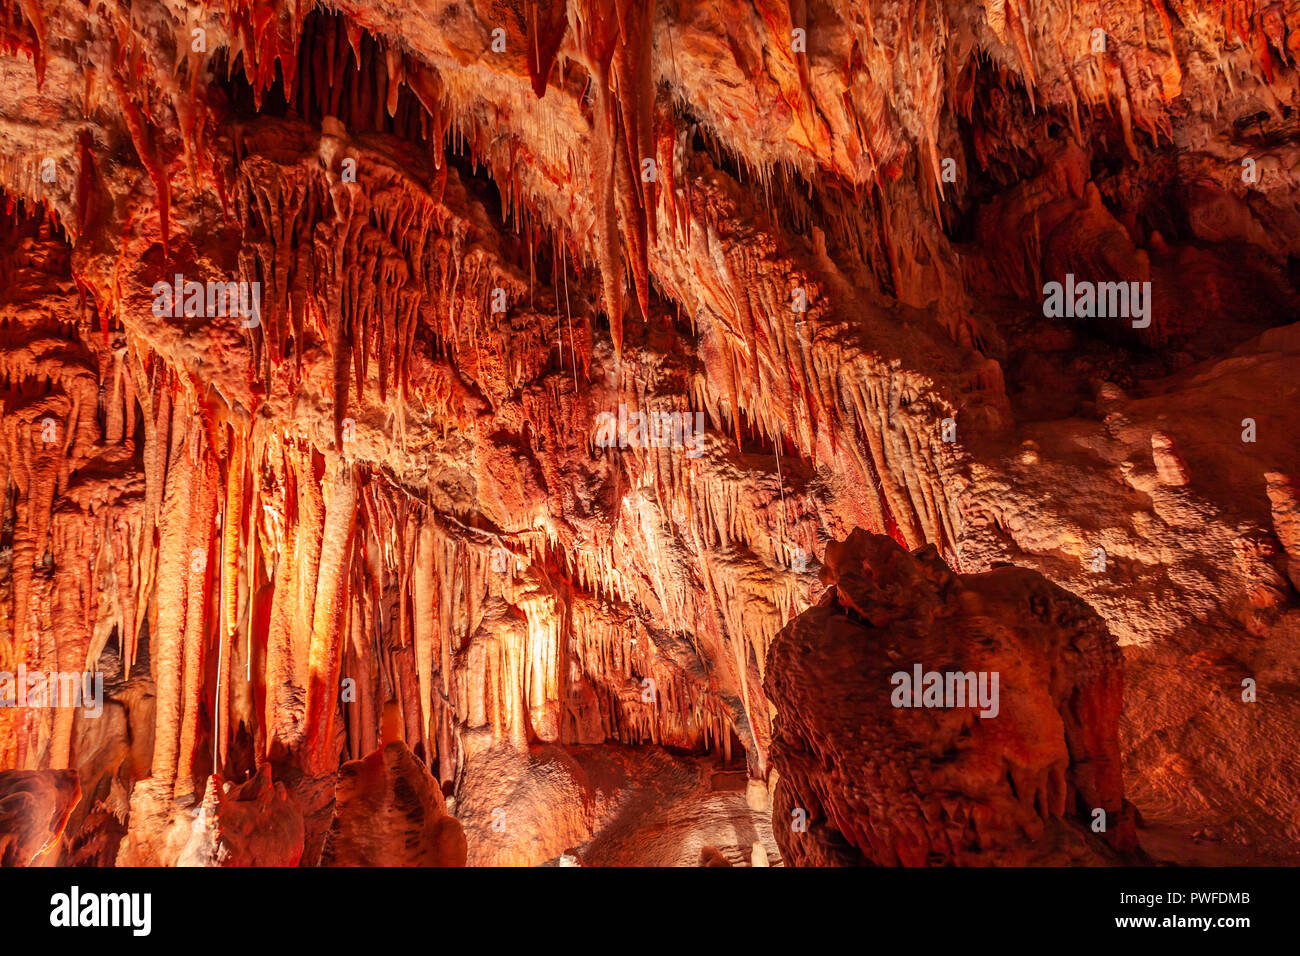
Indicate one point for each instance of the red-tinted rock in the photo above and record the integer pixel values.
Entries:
(34, 808)
(253, 824)
(389, 811)
(392, 485)
(888, 785)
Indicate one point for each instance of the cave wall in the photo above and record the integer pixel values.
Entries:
(390, 483)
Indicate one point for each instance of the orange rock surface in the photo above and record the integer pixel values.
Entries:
(803, 249)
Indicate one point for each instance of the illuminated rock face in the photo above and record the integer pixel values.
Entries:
(515, 366)
(389, 812)
(926, 717)
(34, 809)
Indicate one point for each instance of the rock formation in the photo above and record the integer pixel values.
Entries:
(926, 717)
(34, 809)
(388, 811)
(512, 366)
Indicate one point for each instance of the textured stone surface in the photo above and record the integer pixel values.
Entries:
(254, 824)
(34, 808)
(1010, 779)
(608, 806)
(389, 811)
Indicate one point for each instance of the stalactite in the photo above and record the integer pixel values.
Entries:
(167, 636)
(330, 615)
(595, 30)
(145, 149)
(284, 693)
(422, 595)
(634, 89)
(200, 551)
(233, 524)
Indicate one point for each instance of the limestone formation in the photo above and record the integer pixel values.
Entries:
(511, 368)
(932, 718)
